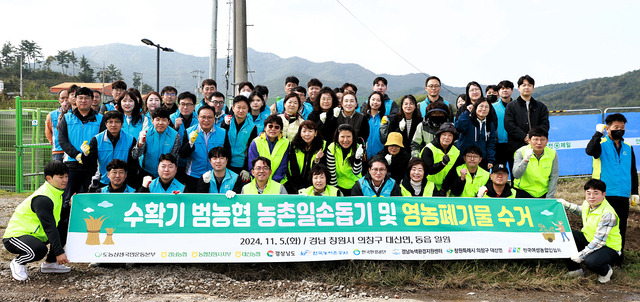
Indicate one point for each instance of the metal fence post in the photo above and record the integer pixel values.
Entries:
(19, 147)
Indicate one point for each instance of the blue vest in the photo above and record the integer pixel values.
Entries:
(110, 106)
(424, 104)
(107, 152)
(126, 190)
(259, 121)
(157, 144)
(131, 129)
(228, 182)
(238, 139)
(194, 121)
(387, 107)
(156, 187)
(615, 169)
(79, 132)
(500, 112)
(374, 145)
(54, 127)
(307, 108)
(198, 161)
(367, 190)
(280, 106)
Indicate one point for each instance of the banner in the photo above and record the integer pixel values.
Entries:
(140, 228)
(569, 135)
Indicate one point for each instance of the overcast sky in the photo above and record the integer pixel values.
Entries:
(460, 41)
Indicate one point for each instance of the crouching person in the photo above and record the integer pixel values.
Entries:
(320, 175)
(166, 181)
(599, 242)
(34, 225)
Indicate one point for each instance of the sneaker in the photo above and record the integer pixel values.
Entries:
(607, 277)
(18, 271)
(575, 274)
(54, 268)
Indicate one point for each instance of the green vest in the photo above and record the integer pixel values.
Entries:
(438, 154)
(329, 190)
(344, 173)
(25, 222)
(274, 156)
(426, 192)
(535, 179)
(300, 157)
(590, 222)
(272, 188)
(472, 185)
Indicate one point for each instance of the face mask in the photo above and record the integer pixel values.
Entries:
(492, 98)
(617, 134)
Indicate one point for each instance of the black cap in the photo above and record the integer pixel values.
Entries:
(499, 167)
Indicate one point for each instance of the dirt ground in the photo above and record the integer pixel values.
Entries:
(210, 282)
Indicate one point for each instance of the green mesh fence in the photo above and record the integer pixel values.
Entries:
(24, 148)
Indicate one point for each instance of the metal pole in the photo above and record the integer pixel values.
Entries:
(214, 41)
(158, 69)
(19, 147)
(20, 75)
(240, 42)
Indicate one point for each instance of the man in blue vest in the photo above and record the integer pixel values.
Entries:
(33, 225)
(117, 174)
(51, 125)
(117, 89)
(289, 83)
(111, 144)
(380, 85)
(377, 182)
(157, 140)
(166, 181)
(169, 96)
(209, 87)
(505, 89)
(75, 130)
(219, 108)
(241, 131)
(196, 143)
(219, 179)
(599, 241)
(182, 119)
(432, 86)
(614, 162)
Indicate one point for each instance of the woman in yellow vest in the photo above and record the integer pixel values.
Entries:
(291, 117)
(270, 144)
(261, 183)
(34, 225)
(307, 149)
(320, 175)
(440, 156)
(415, 183)
(344, 159)
(599, 241)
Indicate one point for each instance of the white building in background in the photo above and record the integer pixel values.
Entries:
(1, 86)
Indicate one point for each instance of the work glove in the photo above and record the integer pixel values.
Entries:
(634, 200)
(527, 154)
(85, 148)
(323, 117)
(192, 138)
(79, 158)
(227, 119)
(359, 152)
(483, 190)
(245, 176)
(146, 181)
(600, 128)
(206, 177)
(446, 159)
(336, 111)
(230, 194)
(142, 137)
(384, 120)
(403, 124)
(564, 203)
(388, 158)
(576, 257)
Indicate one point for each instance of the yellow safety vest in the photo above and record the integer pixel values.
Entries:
(438, 154)
(25, 222)
(272, 188)
(274, 156)
(535, 179)
(329, 190)
(473, 184)
(344, 173)
(590, 222)
(426, 192)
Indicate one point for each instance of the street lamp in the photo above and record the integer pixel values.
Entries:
(158, 47)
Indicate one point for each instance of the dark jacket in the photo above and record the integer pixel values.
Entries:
(393, 125)
(399, 162)
(518, 122)
(472, 134)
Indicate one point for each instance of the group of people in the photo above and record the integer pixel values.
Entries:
(314, 141)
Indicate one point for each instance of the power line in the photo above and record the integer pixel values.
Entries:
(387, 45)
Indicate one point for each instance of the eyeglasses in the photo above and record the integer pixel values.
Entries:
(169, 94)
(262, 168)
(433, 86)
(472, 156)
(276, 127)
(186, 105)
(205, 117)
(381, 170)
(218, 103)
